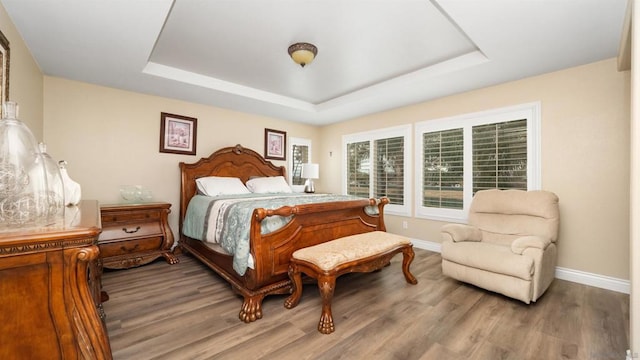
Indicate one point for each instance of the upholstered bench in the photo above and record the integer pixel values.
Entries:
(356, 253)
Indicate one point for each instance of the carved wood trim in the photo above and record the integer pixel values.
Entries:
(312, 224)
(35, 247)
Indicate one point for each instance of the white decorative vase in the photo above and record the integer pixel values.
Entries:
(72, 190)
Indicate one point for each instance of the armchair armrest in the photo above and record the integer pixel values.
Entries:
(519, 245)
(461, 232)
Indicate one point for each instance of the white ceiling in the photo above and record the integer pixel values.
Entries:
(373, 55)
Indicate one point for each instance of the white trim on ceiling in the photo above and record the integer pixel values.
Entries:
(458, 63)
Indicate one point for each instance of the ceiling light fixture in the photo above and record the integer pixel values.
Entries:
(303, 53)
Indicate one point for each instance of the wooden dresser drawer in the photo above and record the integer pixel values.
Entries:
(130, 230)
(124, 217)
(130, 247)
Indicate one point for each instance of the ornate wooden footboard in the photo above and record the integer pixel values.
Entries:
(311, 224)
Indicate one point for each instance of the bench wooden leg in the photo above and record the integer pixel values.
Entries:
(296, 284)
(407, 258)
(326, 284)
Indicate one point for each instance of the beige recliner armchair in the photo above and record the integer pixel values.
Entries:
(509, 244)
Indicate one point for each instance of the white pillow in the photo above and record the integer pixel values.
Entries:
(218, 185)
(267, 185)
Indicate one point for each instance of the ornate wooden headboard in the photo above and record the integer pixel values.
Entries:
(234, 161)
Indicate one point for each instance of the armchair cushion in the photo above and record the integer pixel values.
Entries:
(515, 213)
(461, 232)
(519, 245)
(489, 257)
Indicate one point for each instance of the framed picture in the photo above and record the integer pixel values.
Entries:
(4, 74)
(275, 144)
(178, 134)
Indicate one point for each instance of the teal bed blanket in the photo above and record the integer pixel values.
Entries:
(226, 220)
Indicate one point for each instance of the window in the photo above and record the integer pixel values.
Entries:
(459, 156)
(443, 169)
(358, 180)
(500, 155)
(299, 153)
(377, 164)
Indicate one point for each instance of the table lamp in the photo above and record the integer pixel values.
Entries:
(310, 172)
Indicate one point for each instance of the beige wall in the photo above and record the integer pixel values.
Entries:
(110, 138)
(25, 78)
(585, 157)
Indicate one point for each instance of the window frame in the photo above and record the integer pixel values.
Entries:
(371, 137)
(292, 142)
(529, 111)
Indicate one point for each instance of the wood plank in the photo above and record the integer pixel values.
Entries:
(185, 311)
(606, 323)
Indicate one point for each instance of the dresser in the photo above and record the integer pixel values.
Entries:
(135, 234)
(50, 289)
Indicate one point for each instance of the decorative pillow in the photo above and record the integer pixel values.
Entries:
(267, 185)
(218, 185)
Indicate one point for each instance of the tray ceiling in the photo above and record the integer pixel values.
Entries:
(373, 55)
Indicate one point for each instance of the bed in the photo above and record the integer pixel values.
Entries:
(309, 224)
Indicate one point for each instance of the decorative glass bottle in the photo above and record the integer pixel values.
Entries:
(25, 189)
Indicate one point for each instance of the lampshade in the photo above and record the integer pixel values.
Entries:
(310, 171)
(303, 53)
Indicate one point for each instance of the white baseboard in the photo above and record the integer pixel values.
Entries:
(426, 245)
(591, 279)
(576, 276)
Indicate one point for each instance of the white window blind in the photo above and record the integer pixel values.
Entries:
(500, 156)
(443, 169)
(299, 151)
(300, 155)
(377, 164)
(458, 156)
(389, 169)
(358, 169)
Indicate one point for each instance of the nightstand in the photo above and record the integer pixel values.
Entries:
(135, 234)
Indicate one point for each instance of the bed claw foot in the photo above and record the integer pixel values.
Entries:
(251, 309)
(325, 325)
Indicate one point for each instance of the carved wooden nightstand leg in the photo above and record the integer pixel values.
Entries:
(170, 258)
(178, 250)
(326, 284)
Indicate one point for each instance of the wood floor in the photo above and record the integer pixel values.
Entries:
(185, 311)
